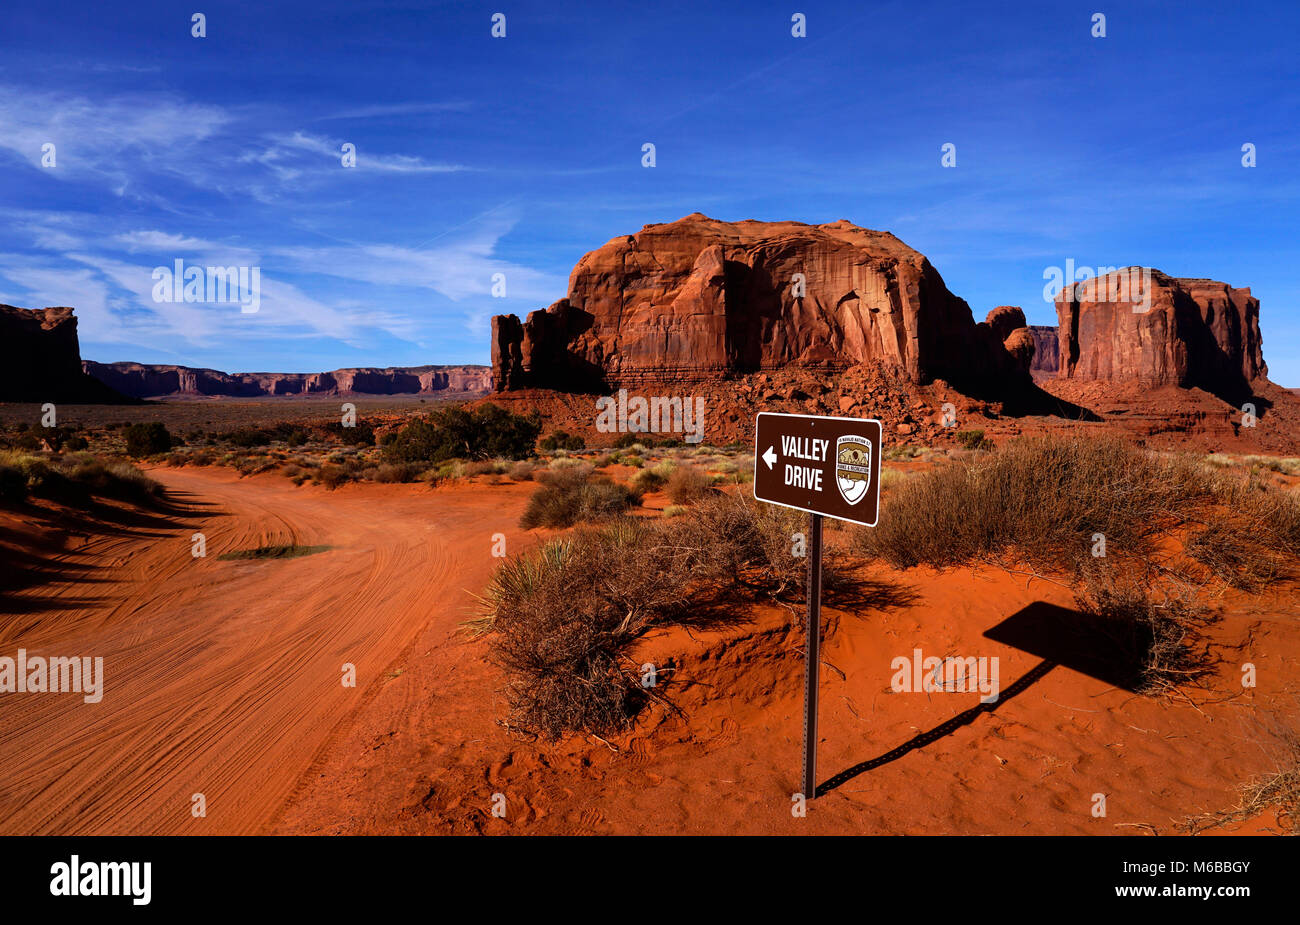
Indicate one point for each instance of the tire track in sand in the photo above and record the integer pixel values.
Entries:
(224, 677)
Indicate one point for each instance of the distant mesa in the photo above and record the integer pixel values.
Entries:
(40, 359)
(143, 380)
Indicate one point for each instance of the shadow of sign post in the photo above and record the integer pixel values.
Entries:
(1107, 650)
(828, 467)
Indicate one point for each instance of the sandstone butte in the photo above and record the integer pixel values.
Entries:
(40, 358)
(1191, 333)
(699, 299)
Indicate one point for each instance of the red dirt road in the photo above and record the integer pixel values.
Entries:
(224, 678)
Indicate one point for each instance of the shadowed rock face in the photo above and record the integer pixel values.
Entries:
(699, 299)
(1047, 350)
(1185, 332)
(40, 359)
(148, 381)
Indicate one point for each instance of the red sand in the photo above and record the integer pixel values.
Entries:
(224, 678)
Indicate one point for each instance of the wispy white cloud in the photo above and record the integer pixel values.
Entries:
(285, 156)
(111, 140)
(388, 110)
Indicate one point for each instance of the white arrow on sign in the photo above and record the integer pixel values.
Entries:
(770, 457)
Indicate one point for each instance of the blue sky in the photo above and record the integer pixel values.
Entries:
(478, 156)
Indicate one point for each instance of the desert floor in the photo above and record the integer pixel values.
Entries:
(224, 678)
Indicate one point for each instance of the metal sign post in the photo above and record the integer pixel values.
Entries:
(829, 467)
(812, 670)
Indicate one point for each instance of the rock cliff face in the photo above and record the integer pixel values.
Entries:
(699, 299)
(150, 381)
(1047, 351)
(40, 359)
(1142, 325)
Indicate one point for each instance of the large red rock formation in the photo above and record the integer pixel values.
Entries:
(150, 381)
(699, 299)
(40, 358)
(1007, 323)
(1142, 325)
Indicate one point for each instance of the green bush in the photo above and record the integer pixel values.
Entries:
(567, 496)
(147, 438)
(459, 433)
(360, 434)
(247, 437)
(973, 440)
(651, 479)
(560, 440)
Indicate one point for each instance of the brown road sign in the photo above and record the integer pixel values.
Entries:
(822, 465)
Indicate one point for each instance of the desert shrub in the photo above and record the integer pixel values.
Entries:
(973, 440)
(568, 462)
(1041, 498)
(1280, 788)
(297, 437)
(331, 476)
(522, 471)
(1232, 555)
(359, 434)
(1161, 641)
(44, 480)
(247, 437)
(147, 438)
(651, 479)
(114, 480)
(397, 472)
(1278, 513)
(568, 496)
(890, 478)
(563, 617)
(74, 480)
(687, 484)
(675, 510)
(76, 443)
(560, 440)
(481, 433)
(487, 467)
(735, 541)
